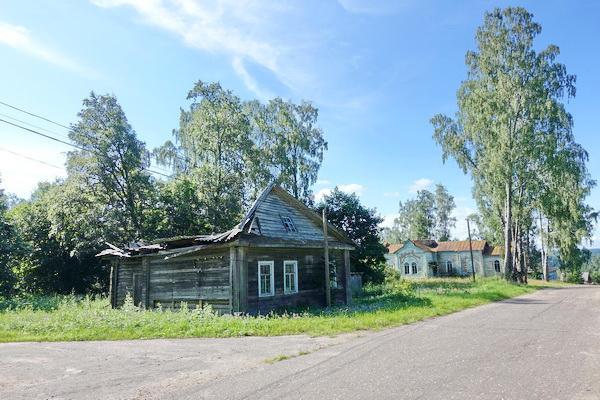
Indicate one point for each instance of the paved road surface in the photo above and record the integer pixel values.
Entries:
(540, 346)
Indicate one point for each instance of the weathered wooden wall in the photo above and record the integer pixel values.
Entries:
(195, 279)
(311, 279)
(269, 214)
(227, 279)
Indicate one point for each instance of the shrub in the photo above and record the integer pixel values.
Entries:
(595, 276)
(573, 276)
(395, 285)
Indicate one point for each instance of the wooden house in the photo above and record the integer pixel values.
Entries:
(273, 259)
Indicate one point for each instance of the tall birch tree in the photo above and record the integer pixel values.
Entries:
(512, 132)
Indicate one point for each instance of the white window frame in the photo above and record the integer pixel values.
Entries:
(406, 268)
(271, 265)
(449, 267)
(287, 290)
(414, 268)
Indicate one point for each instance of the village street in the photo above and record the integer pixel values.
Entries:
(540, 346)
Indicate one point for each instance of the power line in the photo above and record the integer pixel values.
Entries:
(34, 115)
(33, 125)
(30, 158)
(185, 159)
(69, 144)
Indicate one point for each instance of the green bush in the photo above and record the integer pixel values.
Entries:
(573, 276)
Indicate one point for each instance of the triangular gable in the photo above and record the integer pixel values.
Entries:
(273, 205)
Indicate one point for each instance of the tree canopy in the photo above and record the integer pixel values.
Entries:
(513, 135)
(223, 152)
(427, 216)
(361, 225)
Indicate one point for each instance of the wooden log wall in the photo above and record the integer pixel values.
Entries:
(196, 279)
(311, 279)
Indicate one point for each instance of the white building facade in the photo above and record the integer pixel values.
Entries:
(428, 258)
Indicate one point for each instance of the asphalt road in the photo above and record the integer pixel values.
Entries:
(541, 346)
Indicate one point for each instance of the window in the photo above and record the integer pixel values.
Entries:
(266, 284)
(406, 268)
(449, 267)
(497, 266)
(414, 268)
(333, 274)
(290, 277)
(288, 224)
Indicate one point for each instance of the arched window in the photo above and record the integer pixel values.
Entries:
(406, 269)
(414, 268)
(449, 267)
(497, 265)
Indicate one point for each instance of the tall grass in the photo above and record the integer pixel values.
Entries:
(59, 318)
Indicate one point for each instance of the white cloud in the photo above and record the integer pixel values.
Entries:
(347, 188)
(323, 182)
(391, 194)
(352, 188)
(371, 7)
(249, 81)
(237, 29)
(322, 193)
(19, 38)
(21, 175)
(388, 220)
(420, 184)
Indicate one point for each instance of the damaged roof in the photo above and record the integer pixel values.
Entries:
(249, 225)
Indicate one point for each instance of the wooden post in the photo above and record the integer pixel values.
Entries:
(243, 279)
(326, 242)
(471, 250)
(111, 286)
(347, 274)
(146, 264)
(234, 282)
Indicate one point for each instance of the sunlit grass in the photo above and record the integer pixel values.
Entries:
(68, 318)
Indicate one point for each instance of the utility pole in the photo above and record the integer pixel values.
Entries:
(325, 239)
(471, 249)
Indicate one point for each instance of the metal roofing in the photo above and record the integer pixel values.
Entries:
(453, 246)
(187, 242)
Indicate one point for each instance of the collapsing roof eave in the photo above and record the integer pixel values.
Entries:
(243, 226)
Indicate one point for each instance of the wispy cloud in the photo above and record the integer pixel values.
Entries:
(391, 194)
(372, 7)
(20, 38)
(352, 188)
(346, 188)
(420, 184)
(229, 27)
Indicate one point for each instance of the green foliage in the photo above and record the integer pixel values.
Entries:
(87, 318)
(443, 206)
(513, 134)
(9, 245)
(179, 210)
(573, 276)
(361, 225)
(51, 259)
(427, 216)
(110, 162)
(225, 151)
(293, 144)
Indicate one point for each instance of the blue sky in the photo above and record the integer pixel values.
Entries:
(378, 71)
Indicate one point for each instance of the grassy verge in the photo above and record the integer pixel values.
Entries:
(67, 318)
